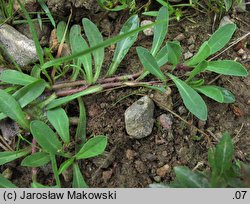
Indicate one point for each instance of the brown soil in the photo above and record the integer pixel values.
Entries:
(134, 163)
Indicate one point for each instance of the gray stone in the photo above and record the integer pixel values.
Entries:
(188, 55)
(225, 20)
(139, 119)
(148, 31)
(9, 129)
(21, 48)
(166, 121)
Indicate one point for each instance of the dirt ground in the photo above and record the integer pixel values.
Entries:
(137, 163)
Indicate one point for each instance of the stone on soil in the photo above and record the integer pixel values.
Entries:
(139, 119)
(21, 48)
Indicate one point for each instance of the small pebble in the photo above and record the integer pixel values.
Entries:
(157, 179)
(164, 153)
(248, 101)
(188, 55)
(191, 48)
(140, 167)
(191, 40)
(180, 37)
(130, 154)
(106, 175)
(148, 31)
(151, 157)
(162, 171)
(166, 121)
(182, 110)
(241, 52)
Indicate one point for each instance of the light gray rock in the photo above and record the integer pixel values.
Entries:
(225, 20)
(21, 48)
(188, 55)
(139, 119)
(148, 31)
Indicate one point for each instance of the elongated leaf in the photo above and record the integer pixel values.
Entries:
(221, 37)
(228, 4)
(92, 147)
(223, 155)
(27, 94)
(35, 160)
(170, 53)
(191, 98)
(227, 67)
(197, 70)
(212, 92)
(5, 183)
(33, 33)
(16, 77)
(160, 30)
(47, 11)
(10, 107)
(105, 43)
(82, 124)
(228, 96)
(65, 165)
(60, 30)
(124, 45)
(55, 169)
(94, 37)
(60, 121)
(38, 185)
(30, 92)
(201, 55)
(149, 63)
(45, 137)
(189, 179)
(7, 156)
(58, 102)
(78, 44)
(78, 180)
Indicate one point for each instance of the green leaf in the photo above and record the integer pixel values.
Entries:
(47, 11)
(78, 44)
(10, 107)
(55, 169)
(212, 92)
(201, 55)
(105, 43)
(228, 4)
(60, 30)
(160, 30)
(124, 45)
(196, 83)
(228, 96)
(94, 37)
(58, 102)
(5, 183)
(171, 53)
(9, 156)
(82, 124)
(221, 37)
(227, 67)
(65, 165)
(36, 159)
(191, 98)
(38, 185)
(78, 180)
(27, 94)
(189, 179)
(197, 70)
(60, 121)
(16, 77)
(149, 63)
(211, 158)
(92, 147)
(45, 137)
(223, 155)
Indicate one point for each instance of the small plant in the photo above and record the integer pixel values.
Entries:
(224, 171)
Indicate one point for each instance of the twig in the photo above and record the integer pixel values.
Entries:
(4, 148)
(5, 143)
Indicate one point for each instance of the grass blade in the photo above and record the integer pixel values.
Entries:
(94, 38)
(82, 125)
(191, 98)
(60, 101)
(124, 45)
(10, 107)
(60, 121)
(149, 63)
(160, 30)
(47, 11)
(45, 137)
